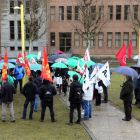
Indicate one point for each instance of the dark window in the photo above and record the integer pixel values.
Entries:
(76, 13)
(52, 39)
(19, 48)
(35, 48)
(93, 12)
(19, 3)
(27, 7)
(135, 12)
(12, 30)
(69, 12)
(109, 39)
(19, 29)
(126, 12)
(26, 48)
(110, 12)
(118, 12)
(61, 13)
(12, 48)
(11, 6)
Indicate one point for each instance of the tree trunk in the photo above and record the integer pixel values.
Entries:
(89, 43)
(30, 46)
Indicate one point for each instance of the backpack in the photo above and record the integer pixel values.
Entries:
(48, 96)
(78, 94)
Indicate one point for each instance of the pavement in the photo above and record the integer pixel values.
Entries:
(106, 123)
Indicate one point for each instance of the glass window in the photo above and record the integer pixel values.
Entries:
(19, 29)
(19, 3)
(12, 48)
(93, 12)
(134, 39)
(61, 13)
(126, 38)
(12, 30)
(109, 39)
(69, 12)
(118, 12)
(100, 39)
(110, 12)
(26, 48)
(101, 12)
(77, 39)
(19, 48)
(84, 40)
(35, 48)
(126, 12)
(52, 39)
(52, 13)
(76, 13)
(92, 42)
(135, 12)
(11, 6)
(27, 7)
(118, 39)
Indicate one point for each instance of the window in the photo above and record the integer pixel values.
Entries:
(27, 29)
(19, 48)
(11, 6)
(76, 13)
(77, 39)
(26, 48)
(52, 13)
(118, 12)
(27, 7)
(126, 12)
(84, 40)
(12, 30)
(61, 13)
(35, 48)
(126, 39)
(134, 39)
(92, 41)
(100, 39)
(19, 29)
(93, 12)
(19, 3)
(110, 12)
(135, 12)
(12, 48)
(69, 12)
(101, 12)
(109, 39)
(52, 39)
(118, 39)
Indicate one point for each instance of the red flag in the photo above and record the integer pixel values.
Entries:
(27, 68)
(4, 71)
(46, 74)
(20, 60)
(121, 55)
(86, 56)
(130, 50)
(0, 57)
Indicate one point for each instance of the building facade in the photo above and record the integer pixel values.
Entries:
(118, 29)
(11, 29)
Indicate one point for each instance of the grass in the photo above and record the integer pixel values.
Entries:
(35, 130)
(114, 94)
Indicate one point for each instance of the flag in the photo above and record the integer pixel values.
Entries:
(39, 55)
(32, 61)
(27, 68)
(104, 74)
(20, 60)
(0, 57)
(130, 50)
(92, 77)
(86, 56)
(121, 55)
(4, 71)
(45, 74)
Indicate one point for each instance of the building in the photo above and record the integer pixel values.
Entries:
(118, 30)
(11, 29)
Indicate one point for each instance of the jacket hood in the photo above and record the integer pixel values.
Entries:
(76, 83)
(29, 84)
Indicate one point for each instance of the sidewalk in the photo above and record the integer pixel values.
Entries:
(106, 123)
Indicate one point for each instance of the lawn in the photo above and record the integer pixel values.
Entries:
(35, 130)
(114, 94)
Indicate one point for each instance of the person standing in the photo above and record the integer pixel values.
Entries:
(19, 74)
(29, 91)
(127, 96)
(64, 85)
(46, 92)
(7, 91)
(75, 98)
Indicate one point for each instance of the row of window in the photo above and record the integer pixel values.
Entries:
(100, 39)
(93, 13)
(12, 48)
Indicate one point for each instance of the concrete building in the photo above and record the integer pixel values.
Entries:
(11, 29)
(117, 31)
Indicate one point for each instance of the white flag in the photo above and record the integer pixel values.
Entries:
(86, 56)
(104, 74)
(32, 61)
(92, 77)
(21, 60)
(39, 55)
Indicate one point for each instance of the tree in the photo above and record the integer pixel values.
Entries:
(91, 19)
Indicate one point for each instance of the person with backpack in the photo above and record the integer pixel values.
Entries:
(29, 91)
(75, 98)
(46, 92)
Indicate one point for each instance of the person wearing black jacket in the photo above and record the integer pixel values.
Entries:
(64, 85)
(7, 92)
(73, 103)
(43, 90)
(29, 90)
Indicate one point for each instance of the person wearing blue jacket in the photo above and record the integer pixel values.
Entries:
(19, 74)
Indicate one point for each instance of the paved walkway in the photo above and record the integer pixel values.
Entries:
(106, 123)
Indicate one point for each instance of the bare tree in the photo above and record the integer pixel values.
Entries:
(91, 19)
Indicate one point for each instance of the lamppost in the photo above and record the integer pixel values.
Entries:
(22, 29)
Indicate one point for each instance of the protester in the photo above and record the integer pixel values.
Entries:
(10, 80)
(7, 91)
(127, 96)
(105, 90)
(38, 81)
(64, 85)
(29, 91)
(138, 93)
(19, 74)
(46, 92)
(75, 98)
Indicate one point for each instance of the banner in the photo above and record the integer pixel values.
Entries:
(32, 61)
(86, 56)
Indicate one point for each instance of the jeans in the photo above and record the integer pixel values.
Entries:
(20, 84)
(88, 109)
(36, 102)
(105, 89)
(51, 112)
(25, 109)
